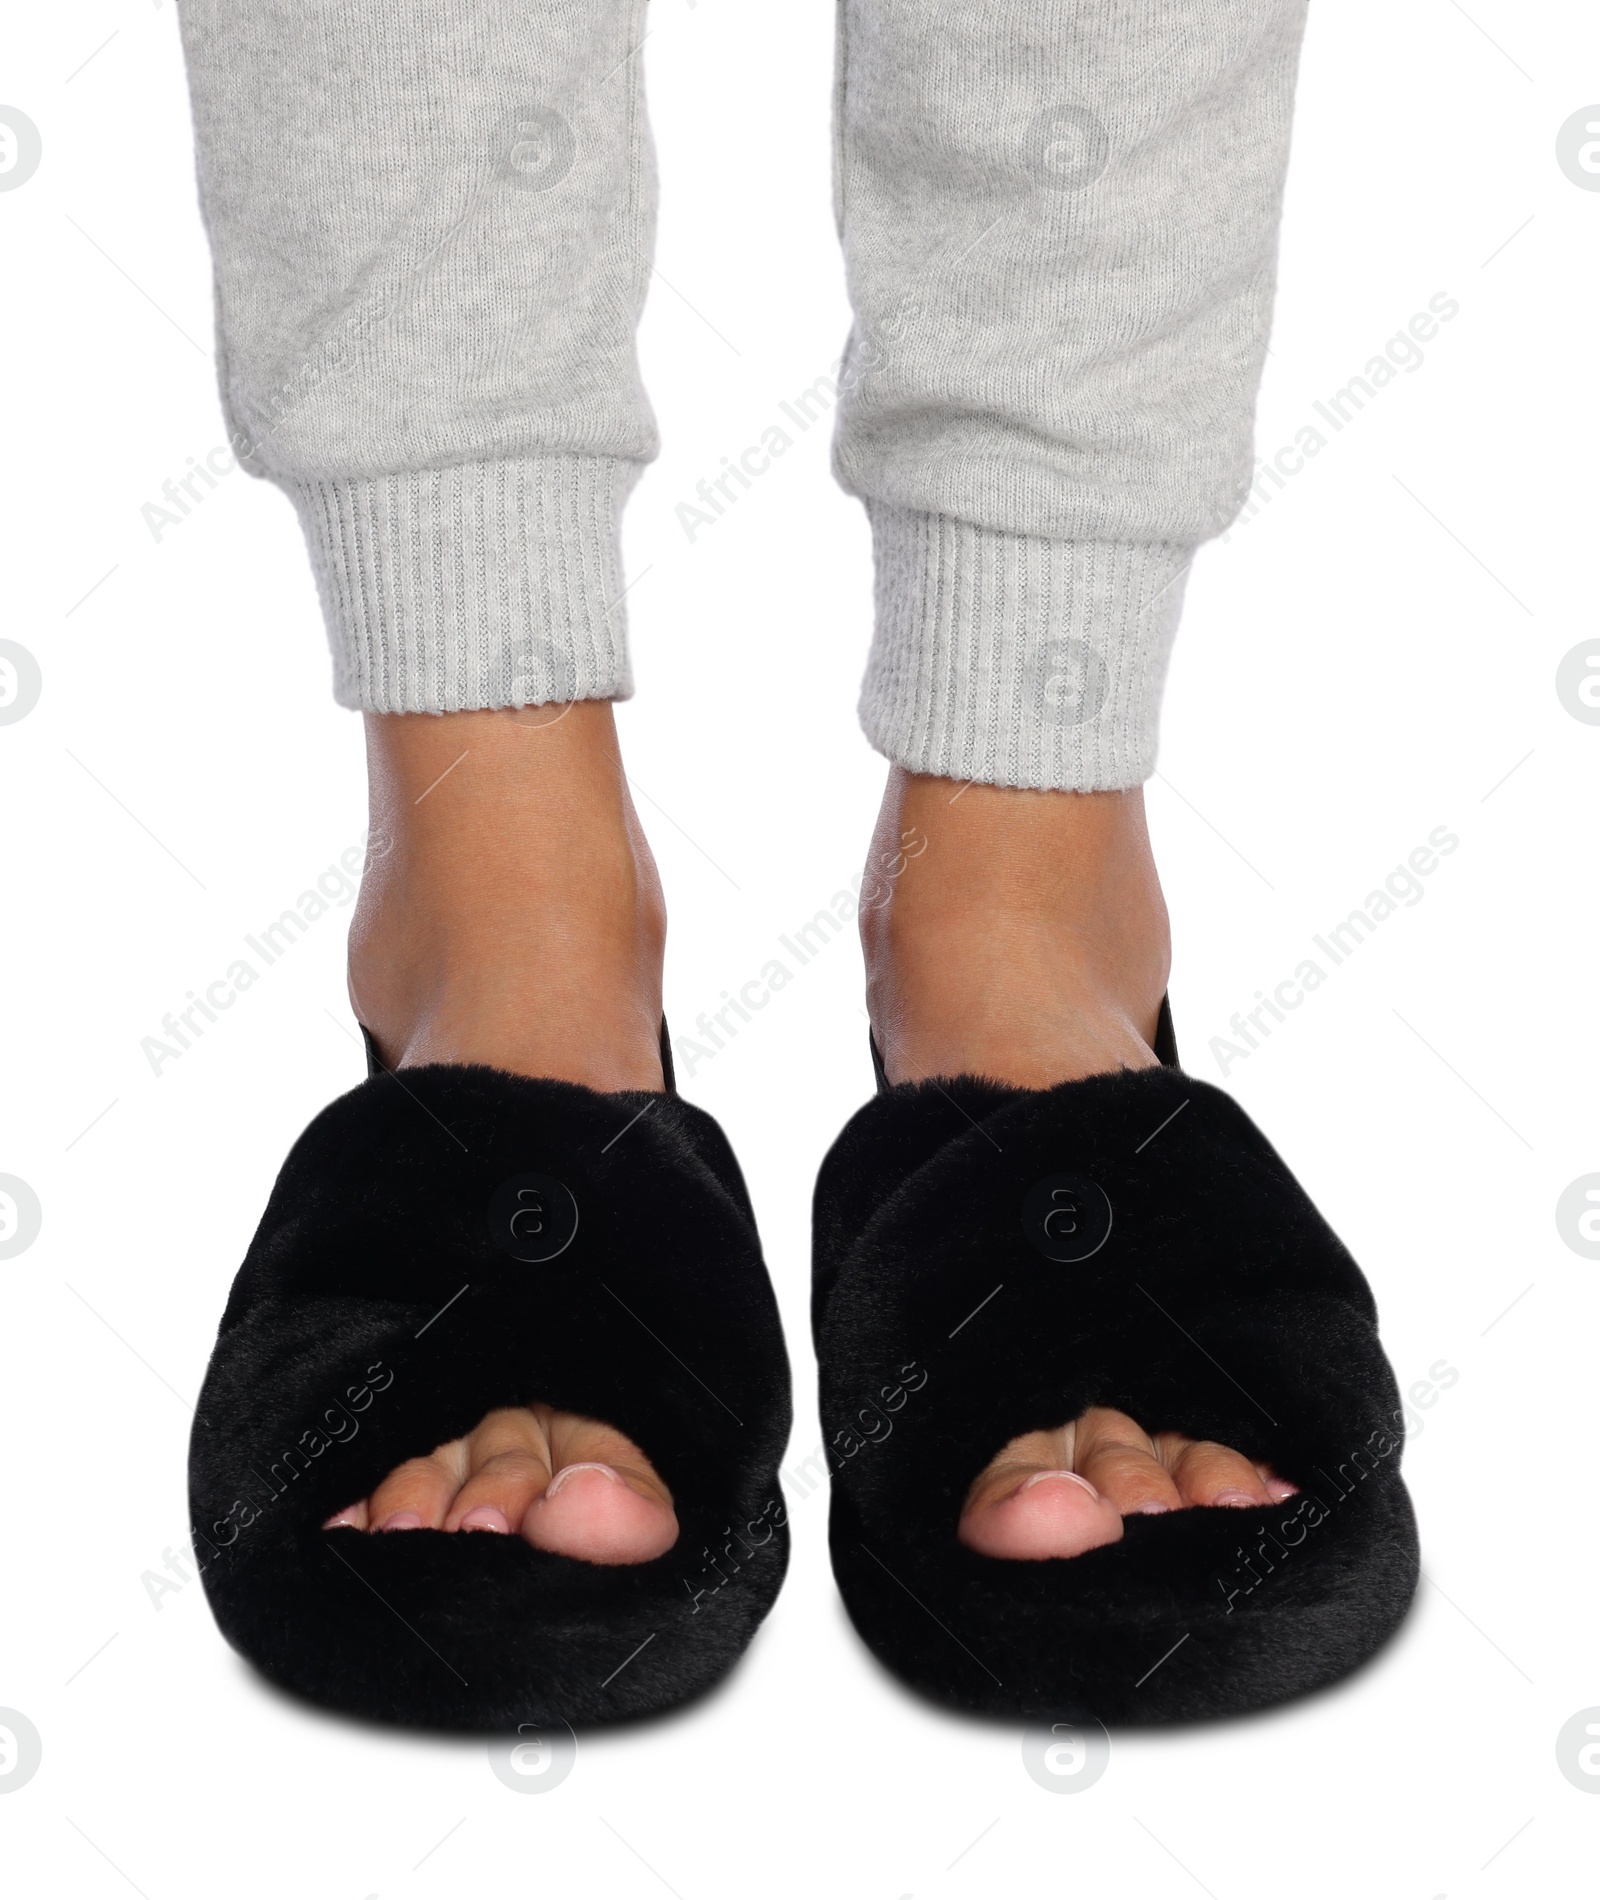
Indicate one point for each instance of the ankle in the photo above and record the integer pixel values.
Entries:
(1021, 934)
(511, 912)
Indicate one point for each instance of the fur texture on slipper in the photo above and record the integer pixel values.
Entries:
(993, 1260)
(454, 1240)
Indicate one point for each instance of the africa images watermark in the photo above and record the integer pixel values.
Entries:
(715, 494)
(1402, 889)
(1312, 1510)
(870, 889)
(875, 1424)
(871, 1425)
(1403, 354)
(773, 1515)
(335, 888)
(1309, 1514)
(259, 1491)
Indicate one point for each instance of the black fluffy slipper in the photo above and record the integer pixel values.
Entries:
(441, 1243)
(993, 1260)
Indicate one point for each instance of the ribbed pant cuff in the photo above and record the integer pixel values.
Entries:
(1009, 659)
(483, 585)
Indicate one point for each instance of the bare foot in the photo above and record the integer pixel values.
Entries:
(1023, 936)
(1056, 1494)
(512, 915)
(566, 1483)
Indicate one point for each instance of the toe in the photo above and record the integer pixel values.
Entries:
(508, 1465)
(1119, 1459)
(569, 1484)
(606, 1503)
(1207, 1473)
(417, 1494)
(1059, 1493)
(1046, 1513)
(591, 1511)
(1029, 1502)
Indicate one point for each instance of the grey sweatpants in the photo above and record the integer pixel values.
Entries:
(432, 230)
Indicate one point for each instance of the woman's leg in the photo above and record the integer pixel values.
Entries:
(1060, 224)
(432, 228)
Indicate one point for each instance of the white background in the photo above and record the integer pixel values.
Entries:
(1367, 660)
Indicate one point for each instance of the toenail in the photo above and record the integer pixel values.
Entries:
(1236, 1500)
(1152, 1509)
(485, 1517)
(347, 1519)
(568, 1471)
(1040, 1476)
(402, 1521)
(1280, 1488)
